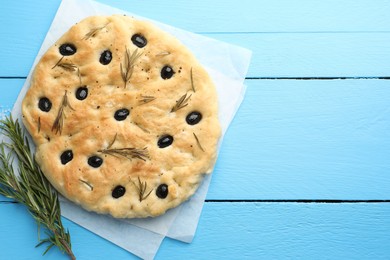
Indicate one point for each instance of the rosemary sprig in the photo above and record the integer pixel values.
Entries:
(182, 102)
(65, 65)
(93, 32)
(30, 187)
(68, 66)
(59, 121)
(127, 68)
(146, 99)
(141, 188)
(197, 141)
(128, 152)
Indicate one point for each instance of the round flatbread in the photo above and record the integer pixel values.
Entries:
(124, 118)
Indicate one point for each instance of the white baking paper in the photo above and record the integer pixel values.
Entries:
(227, 66)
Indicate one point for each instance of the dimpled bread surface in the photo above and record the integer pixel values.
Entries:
(124, 118)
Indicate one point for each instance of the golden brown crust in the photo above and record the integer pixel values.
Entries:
(128, 148)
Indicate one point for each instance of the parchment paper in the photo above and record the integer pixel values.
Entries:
(226, 64)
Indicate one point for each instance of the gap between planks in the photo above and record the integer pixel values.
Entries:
(330, 201)
(266, 78)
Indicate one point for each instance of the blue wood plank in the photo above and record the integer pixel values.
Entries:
(9, 91)
(230, 16)
(299, 53)
(287, 231)
(19, 236)
(317, 139)
(234, 231)
(313, 139)
(315, 54)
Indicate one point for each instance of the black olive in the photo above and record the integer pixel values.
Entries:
(82, 93)
(193, 118)
(118, 191)
(67, 49)
(44, 104)
(167, 72)
(162, 191)
(66, 156)
(164, 141)
(105, 57)
(121, 114)
(95, 161)
(139, 40)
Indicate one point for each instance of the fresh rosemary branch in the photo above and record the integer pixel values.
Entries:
(30, 187)
(128, 67)
(182, 102)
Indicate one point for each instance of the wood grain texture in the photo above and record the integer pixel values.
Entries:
(234, 231)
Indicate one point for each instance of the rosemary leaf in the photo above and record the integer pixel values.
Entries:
(113, 141)
(192, 81)
(197, 141)
(142, 128)
(29, 186)
(39, 124)
(87, 184)
(164, 53)
(58, 62)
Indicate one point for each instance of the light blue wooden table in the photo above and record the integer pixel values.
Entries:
(304, 170)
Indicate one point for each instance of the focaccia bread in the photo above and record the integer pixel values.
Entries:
(123, 116)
